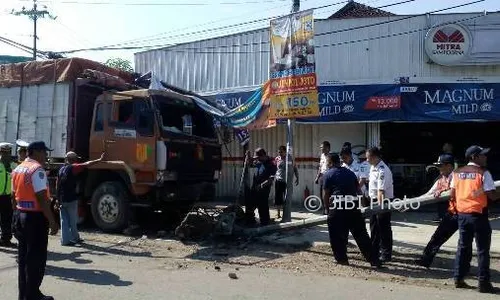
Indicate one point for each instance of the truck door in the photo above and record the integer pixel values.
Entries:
(131, 137)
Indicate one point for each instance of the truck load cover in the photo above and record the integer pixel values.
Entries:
(37, 101)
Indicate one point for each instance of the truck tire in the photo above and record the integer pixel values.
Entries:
(110, 206)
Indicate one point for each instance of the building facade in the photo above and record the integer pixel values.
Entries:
(363, 52)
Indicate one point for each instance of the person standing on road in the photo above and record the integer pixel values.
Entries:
(280, 177)
(323, 166)
(21, 150)
(449, 223)
(442, 207)
(471, 187)
(361, 171)
(345, 216)
(381, 191)
(261, 187)
(32, 220)
(67, 198)
(6, 211)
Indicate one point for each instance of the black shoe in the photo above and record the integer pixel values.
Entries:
(8, 244)
(487, 288)
(47, 298)
(460, 284)
(423, 263)
(70, 244)
(376, 265)
(79, 241)
(343, 263)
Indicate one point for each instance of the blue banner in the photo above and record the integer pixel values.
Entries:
(445, 102)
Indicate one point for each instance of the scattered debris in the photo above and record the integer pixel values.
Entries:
(232, 275)
(217, 268)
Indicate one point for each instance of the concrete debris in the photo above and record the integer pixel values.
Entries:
(233, 275)
(217, 268)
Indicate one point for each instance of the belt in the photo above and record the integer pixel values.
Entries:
(26, 206)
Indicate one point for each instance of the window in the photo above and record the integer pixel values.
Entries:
(186, 120)
(99, 120)
(126, 113)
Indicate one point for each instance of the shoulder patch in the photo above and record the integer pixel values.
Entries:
(381, 166)
(41, 175)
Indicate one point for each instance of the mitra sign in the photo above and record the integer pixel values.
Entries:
(448, 45)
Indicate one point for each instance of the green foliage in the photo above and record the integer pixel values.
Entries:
(120, 64)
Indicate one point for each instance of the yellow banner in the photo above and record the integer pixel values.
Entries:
(294, 106)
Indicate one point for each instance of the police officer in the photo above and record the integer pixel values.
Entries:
(449, 223)
(21, 150)
(380, 190)
(344, 215)
(471, 187)
(32, 220)
(6, 167)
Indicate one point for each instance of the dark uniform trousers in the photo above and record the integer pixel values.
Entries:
(259, 199)
(340, 222)
(381, 234)
(446, 229)
(6, 217)
(470, 226)
(31, 230)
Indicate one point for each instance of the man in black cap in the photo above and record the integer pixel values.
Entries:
(32, 220)
(449, 222)
(344, 215)
(472, 187)
(261, 187)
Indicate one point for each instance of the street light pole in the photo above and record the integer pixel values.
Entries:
(287, 208)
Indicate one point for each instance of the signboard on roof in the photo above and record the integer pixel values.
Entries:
(293, 92)
(448, 45)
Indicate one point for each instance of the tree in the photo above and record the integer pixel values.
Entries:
(120, 64)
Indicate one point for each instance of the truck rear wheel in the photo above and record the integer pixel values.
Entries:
(110, 206)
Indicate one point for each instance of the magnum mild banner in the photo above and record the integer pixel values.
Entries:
(293, 92)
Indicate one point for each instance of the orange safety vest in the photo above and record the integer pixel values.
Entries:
(23, 187)
(443, 184)
(469, 193)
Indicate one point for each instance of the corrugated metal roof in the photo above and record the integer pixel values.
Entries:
(358, 10)
(242, 60)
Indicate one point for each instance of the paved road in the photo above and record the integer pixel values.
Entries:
(80, 274)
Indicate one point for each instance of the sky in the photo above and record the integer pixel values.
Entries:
(83, 24)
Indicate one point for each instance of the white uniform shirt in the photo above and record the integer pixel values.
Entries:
(38, 180)
(435, 185)
(488, 183)
(323, 164)
(360, 170)
(380, 180)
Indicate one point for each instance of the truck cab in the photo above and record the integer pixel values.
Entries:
(161, 150)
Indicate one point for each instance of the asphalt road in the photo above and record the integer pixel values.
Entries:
(96, 272)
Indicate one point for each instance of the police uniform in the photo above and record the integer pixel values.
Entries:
(380, 224)
(361, 170)
(449, 222)
(470, 184)
(6, 167)
(31, 225)
(343, 218)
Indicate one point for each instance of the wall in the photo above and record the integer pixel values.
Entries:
(243, 59)
(306, 150)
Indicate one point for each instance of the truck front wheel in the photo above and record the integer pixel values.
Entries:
(110, 206)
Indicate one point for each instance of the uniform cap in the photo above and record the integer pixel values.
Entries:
(38, 145)
(259, 152)
(4, 146)
(72, 154)
(475, 150)
(22, 144)
(445, 159)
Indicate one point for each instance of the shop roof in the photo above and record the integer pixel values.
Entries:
(54, 70)
(357, 10)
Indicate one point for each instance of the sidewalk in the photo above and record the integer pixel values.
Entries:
(410, 230)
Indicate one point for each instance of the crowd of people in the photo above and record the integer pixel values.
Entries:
(345, 176)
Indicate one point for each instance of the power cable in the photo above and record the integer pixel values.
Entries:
(164, 4)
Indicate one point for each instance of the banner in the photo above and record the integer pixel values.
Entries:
(438, 102)
(346, 103)
(292, 67)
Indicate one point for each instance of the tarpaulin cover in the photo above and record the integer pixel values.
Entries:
(50, 71)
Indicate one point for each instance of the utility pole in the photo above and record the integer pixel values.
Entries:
(287, 208)
(34, 14)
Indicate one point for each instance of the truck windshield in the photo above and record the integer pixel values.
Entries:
(186, 119)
